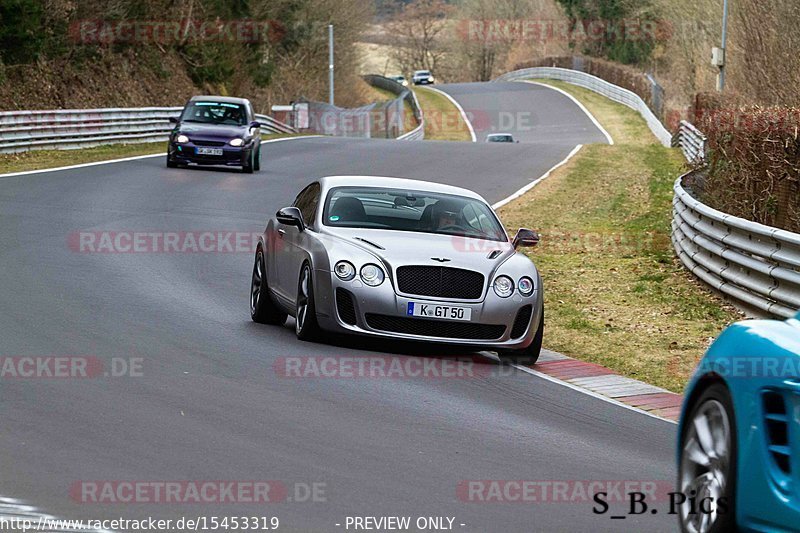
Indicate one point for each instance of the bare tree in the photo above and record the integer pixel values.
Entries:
(421, 29)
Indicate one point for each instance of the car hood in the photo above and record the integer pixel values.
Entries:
(399, 248)
(216, 132)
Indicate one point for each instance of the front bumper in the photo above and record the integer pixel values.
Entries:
(186, 153)
(378, 309)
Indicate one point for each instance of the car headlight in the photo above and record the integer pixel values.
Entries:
(372, 275)
(525, 286)
(345, 270)
(182, 139)
(503, 286)
(236, 142)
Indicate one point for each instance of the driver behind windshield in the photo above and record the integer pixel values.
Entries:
(446, 214)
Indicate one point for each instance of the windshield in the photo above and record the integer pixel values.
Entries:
(215, 113)
(501, 138)
(418, 211)
(423, 73)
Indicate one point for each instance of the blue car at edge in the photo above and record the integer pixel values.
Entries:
(739, 434)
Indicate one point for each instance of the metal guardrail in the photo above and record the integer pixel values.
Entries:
(22, 131)
(383, 82)
(752, 263)
(691, 141)
(598, 85)
(755, 264)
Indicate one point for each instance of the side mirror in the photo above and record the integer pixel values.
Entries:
(525, 237)
(173, 120)
(291, 216)
(255, 124)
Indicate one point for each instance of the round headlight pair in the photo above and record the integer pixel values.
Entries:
(371, 274)
(182, 139)
(504, 286)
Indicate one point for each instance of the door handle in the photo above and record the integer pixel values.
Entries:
(281, 232)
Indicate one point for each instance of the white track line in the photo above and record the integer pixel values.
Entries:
(124, 159)
(577, 103)
(536, 182)
(593, 394)
(536, 373)
(460, 110)
(532, 372)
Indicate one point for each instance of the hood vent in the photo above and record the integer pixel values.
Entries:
(370, 243)
(494, 254)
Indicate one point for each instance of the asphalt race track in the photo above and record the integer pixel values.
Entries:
(210, 405)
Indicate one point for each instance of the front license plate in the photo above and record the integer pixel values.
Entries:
(209, 151)
(444, 312)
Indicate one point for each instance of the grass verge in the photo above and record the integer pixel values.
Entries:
(614, 293)
(44, 159)
(443, 121)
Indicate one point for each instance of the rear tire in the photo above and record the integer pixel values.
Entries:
(262, 308)
(306, 325)
(529, 355)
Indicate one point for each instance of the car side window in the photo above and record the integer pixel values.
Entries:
(307, 202)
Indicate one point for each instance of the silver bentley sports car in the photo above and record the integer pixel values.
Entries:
(399, 259)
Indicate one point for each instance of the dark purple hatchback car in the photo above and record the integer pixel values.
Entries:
(216, 130)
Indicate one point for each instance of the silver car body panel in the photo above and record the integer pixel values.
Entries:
(287, 249)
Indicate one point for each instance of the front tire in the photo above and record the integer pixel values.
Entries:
(247, 166)
(262, 308)
(171, 163)
(257, 159)
(306, 325)
(529, 355)
(707, 462)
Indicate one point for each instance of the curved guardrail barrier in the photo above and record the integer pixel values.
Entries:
(383, 82)
(751, 263)
(755, 264)
(691, 141)
(600, 86)
(21, 131)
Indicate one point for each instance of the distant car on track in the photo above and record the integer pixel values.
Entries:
(500, 138)
(739, 434)
(399, 259)
(216, 130)
(422, 77)
(399, 79)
